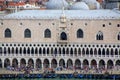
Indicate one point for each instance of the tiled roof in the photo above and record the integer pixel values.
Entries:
(70, 14)
(16, 4)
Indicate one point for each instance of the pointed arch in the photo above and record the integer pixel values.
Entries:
(103, 51)
(1, 50)
(28, 50)
(47, 33)
(118, 37)
(20, 51)
(99, 36)
(55, 51)
(91, 51)
(16, 50)
(44, 51)
(52, 51)
(87, 51)
(7, 33)
(71, 51)
(46, 63)
(24, 51)
(40, 51)
(38, 63)
(85, 63)
(9, 50)
(77, 64)
(83, 51)
(12, 50)
(6, 62)
(99, 51)
(53, 63)
(67, 51)
(59, 50)
(63, 51)
(31, 63)
(47, 50)
(75, 51)
(27, 33)
(22, 62)
(112, 52)
(94, 63)
(80, 33)
(109, 64)
(69, 63)
(102, 64)
(62, 63)
(32, 50)
(117, 63)
(63, 36)
(15, 63)
(107, 51)
(0, 63)
(36, 50)
(116, 51)
(79, 51)
(95, 51)
(5, 50)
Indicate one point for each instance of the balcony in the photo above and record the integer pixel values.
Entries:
(62, 38)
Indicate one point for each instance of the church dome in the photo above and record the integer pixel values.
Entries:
(56, 4)
(93, 4)
(79, 6)
(97, 5)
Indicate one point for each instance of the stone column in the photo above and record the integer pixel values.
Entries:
(42, 67)
(73, 65)
(42, 64)
(41, 52)
(105, 66)
(50, 65)
(81, 53)
(81, 65)
(34, 64)
(10, 62)
(18, 63)
(26, 62)
(58, 64)
(97, 65)
(65, 65)
(89, 66)
(113, 63)
(2, 63)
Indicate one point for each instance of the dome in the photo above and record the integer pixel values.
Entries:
(97, 5)
(56, 4)
(79, 6)
(93, 4)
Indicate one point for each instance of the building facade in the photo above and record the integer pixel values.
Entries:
(67, 38)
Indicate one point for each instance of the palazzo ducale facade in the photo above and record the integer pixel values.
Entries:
(67, 38)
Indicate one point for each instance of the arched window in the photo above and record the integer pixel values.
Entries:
(0, 50)
(99, 36)
(47, 33)
(7, 33)
(27, 33)
(63, 36)
(79, 33)
(119, 36)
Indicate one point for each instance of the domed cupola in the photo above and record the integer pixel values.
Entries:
(79, 6)
(56, 4)
(93, 4)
